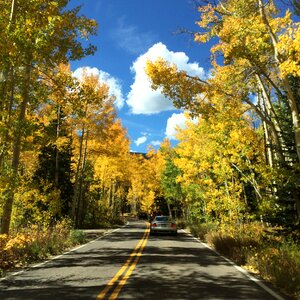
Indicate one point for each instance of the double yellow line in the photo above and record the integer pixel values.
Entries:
(129, 266)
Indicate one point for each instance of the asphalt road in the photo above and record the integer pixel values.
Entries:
(130, 264)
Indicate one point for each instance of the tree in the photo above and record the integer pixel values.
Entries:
(221, 161)
(112, 165)
(170, 189)
(254, 60)
(92, 112)
(237, 24)
(54, 163)
(38, 37)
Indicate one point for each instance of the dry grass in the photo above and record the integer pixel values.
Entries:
(275, 257)
(36, 243)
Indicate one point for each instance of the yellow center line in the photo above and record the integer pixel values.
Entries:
(123, 281)
(135, 252)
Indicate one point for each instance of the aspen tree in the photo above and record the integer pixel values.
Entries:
(39, 36)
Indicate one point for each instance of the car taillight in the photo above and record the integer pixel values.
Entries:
(173, 225)
(153, 225)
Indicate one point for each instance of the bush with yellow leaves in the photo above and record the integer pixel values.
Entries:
(35, 243)
(14, 251)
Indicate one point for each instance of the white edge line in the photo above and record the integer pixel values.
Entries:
(243, 271)
(58, 256)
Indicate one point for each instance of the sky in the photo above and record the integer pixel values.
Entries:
(129, 33)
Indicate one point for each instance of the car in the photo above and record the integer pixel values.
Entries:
(163, 224)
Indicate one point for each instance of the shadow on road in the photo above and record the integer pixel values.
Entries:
(170, 268)
(177, 268)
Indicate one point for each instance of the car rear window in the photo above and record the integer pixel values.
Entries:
(162, 219)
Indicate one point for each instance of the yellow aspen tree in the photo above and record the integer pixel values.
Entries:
(252, 67)
(110, 153)
(238, 24)
(217, 156)
(37, 42)
(91, 102)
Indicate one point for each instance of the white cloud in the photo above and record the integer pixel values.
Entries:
(174, 121)
(155, 143)
(92, 71)
(141, 98)
(130, 39)
(140, 140)
(113, 83)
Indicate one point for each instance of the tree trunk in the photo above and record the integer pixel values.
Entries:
(80, 208)
(12, 12)
(6, 114)
(270, 111)
(290, 95)
(113, 200)
(8, 205)
(295, 114)
(76, 184)
(264, 117)
(268, 145)
(8, 72)
(56, 177)
(169, 209)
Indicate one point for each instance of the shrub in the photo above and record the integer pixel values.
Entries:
(77, 237)
(34, 243)
(262, 249)
(231, 247)
(201, 230)
(14, 250)
(281, 265)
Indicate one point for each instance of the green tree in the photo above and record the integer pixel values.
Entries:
(55, 164)
(171, 188)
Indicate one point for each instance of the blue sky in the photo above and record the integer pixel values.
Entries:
(130, 32)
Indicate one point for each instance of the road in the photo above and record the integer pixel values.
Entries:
(130, 264)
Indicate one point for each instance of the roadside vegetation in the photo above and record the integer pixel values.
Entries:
(234, 175)
(269, 252)
(36, 243)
